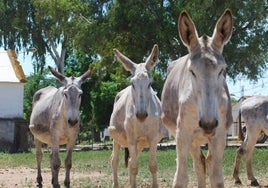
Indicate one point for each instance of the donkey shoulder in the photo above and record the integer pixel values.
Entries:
(177, 64)
(119, 109)
(121, 94)
(171, 88)
(49, 90)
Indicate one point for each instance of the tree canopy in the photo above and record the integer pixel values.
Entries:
(95, 27)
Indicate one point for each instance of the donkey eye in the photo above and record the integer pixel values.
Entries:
(192, 72)
(133, 85)
(65, 95)
(221, 72)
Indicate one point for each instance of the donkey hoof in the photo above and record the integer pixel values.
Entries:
(39, 185)
(67, 184)
(39, 181)
(238, 182)
(56, 186)
(254, 183)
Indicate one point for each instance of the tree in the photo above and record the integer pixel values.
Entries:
(49, 25)
(58, 21)
(134, 30)
(55, 26)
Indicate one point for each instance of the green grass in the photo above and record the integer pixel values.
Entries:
(89, 162)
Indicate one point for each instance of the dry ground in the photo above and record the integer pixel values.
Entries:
(25, 177)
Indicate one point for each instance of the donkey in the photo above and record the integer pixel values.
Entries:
(136, 118)
(196, 106)
(254, 111)
(55, 121)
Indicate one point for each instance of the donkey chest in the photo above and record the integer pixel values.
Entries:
(66, 133)
(142, 129)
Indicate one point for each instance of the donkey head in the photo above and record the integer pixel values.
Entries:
(141, 80)
(71, 93)
(206, 66)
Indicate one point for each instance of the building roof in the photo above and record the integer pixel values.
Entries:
(10, 68)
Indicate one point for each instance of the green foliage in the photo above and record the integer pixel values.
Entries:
(97, 26)
(59, 18)
(135, 30)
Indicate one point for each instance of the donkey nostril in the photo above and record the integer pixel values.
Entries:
(72, 122)
(142, 116)
(208, 126)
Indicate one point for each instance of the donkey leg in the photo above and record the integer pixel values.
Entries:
(133, 164)
(115, 161)
(55, 162)
(38, 151)
(252, 139)
(250, 174)
(68, 163)
(182, 150)
(241, 151)
(153, 162)
(214, 160)
(55, 167)
(199, 165)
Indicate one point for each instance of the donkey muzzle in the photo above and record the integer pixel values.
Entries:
(72, 122)
(141, 116)
(208, 126)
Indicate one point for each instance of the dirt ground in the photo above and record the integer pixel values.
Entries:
(25, 177)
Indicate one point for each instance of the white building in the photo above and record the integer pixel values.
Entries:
(13, 129)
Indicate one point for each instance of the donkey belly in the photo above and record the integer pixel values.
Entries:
(42, 133)
(120, 137)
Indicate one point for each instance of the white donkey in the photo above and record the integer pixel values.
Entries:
(196, 103)
(254, 111)
(136, 118)
(55, 121)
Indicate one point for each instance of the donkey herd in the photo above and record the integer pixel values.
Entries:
(195, 108)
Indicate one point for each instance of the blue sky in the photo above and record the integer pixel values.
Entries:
(241, 86)
(27, 62)
(244, 87)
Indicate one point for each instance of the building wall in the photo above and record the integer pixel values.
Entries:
(11, 100)
(13, 135)
(7, 131)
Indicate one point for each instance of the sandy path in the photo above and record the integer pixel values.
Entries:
(26, 177)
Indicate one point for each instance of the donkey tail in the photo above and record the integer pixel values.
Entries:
(240, 132)
(126, 157)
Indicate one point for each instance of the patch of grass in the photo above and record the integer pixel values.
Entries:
(98, 172)
(16, 160)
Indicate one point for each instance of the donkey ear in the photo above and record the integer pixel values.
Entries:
(127, 63)
(151, 60)
(187, 31)
(58, 75)
(223, 29)
(83, 77)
